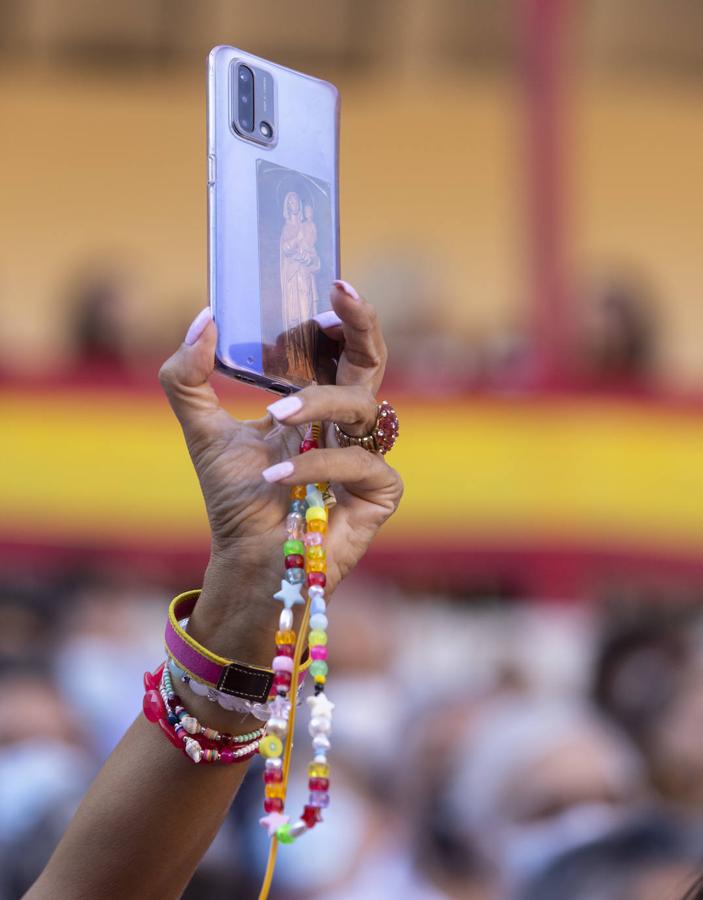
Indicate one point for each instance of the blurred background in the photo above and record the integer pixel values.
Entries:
(522, 200)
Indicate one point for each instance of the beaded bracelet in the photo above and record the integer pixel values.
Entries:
(163, 706)
(305, 562)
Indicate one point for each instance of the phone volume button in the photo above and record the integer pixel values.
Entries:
(211, 169)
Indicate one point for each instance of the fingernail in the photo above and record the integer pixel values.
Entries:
(279, 471)
(285, 407)
(327, 319)
(347, 288)
(198, 325)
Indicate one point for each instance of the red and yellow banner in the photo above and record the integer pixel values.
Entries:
(109, 468)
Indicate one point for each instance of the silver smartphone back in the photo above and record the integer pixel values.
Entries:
(273, 211)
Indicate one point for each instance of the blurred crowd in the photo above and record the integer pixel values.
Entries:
(482, 750)
(611, 333)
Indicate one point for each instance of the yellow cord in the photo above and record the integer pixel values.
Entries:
(288, 750)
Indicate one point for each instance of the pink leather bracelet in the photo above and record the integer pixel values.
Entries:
(226, 675)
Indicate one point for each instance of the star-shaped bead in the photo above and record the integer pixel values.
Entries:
(289, 594)
(320, 705)
(279, 707)
(273, 821)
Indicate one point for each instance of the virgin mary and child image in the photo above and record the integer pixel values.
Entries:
(300, 263)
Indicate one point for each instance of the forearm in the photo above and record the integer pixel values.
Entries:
(143, 826)
(151, 813)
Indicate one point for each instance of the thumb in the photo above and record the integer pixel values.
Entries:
(184, 376)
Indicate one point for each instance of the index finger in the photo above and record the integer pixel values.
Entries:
(363, 360)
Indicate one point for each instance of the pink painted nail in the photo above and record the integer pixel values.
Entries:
(198, 325)
(327, 319)
(285, 407)
(347, 288)
(277, 472)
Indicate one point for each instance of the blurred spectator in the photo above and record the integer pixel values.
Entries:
(615, 336)
(649, 678)
(650, 859)
(534, 777)
(103, 327)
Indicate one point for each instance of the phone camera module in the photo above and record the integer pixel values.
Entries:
(245, 98)
(266, 130)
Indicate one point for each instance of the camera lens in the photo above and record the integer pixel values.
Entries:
(245, 98)
(266, 129)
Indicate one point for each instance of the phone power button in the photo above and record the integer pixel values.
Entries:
(211, 171)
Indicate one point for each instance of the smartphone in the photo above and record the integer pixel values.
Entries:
(273, 214)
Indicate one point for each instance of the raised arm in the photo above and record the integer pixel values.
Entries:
(151, 813)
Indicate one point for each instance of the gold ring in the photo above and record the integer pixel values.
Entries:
(382, 437)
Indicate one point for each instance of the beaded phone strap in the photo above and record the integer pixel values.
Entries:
(306, 564)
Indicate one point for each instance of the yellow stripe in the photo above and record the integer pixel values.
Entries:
(115, 468)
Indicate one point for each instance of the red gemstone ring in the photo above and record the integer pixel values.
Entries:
(382, 436)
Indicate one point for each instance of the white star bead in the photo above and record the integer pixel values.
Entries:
(273, 821)
(279, 707)
(289, 594)
(320, 705)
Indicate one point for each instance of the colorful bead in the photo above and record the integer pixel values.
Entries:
(313, 539)
(283, 835)
(319, 725)
(282, 664)
(298, 507)
(318, 667)
(318, 652)
(298, 828)
(316, 552)
(320, 799)
(273, 804)
(321, 742)
(295, 576)
(298, 492)
(295, 561)
(315, 513)
(311, 816)
(285, 620)
(270, 746)
(282, 679)
(318, 770)
(293, 547)
(285, 649)
(273, 776)
(277, 726)
(318, 525)
(314, 497)
(317, 637)
(318, 784)
(318, 622)
(152, 706)
(274, 790)
(315, 565)
(317, 578)
(285, 637)
(294, 524)
(227, 756)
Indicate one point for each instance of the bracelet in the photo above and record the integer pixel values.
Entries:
(226, 701)
(227, 676)
(163, 706)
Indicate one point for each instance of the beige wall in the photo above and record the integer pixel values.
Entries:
(95, 167)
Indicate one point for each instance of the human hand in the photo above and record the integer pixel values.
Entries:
(246, 468)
